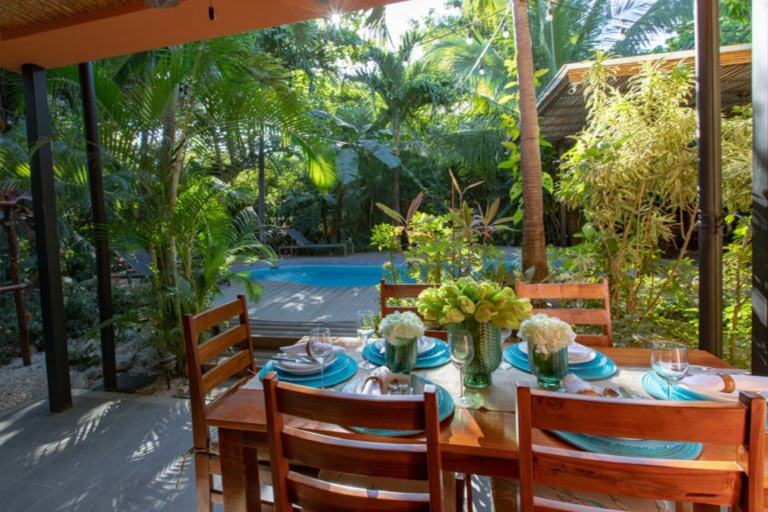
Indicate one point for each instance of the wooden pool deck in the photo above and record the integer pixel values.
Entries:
(289, 309)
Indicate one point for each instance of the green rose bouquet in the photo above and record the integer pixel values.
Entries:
(468, 299)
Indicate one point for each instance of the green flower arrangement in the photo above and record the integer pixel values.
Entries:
(466, 299)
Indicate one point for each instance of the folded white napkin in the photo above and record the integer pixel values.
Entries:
(577, 353)
(575, 384)
(715, 384)
(578, 386)
(300, 349)
(377, 382)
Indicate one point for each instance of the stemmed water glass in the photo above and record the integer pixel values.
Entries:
(320, 349)
(462, 352)
(669, 359)
(366, 326)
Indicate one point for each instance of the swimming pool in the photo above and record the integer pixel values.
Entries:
(334, 276)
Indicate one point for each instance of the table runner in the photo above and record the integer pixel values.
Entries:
(500, 396)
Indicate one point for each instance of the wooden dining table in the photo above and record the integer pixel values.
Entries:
(476, 441)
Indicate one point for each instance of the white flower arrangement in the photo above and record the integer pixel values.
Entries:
(401, 325)
(549, 334)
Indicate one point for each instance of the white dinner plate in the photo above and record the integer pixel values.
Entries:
(425, 344)
(583, 355)
(299, 368)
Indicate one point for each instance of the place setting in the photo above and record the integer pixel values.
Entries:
(672, 377)
(556, 351)
(395, 351)
(315, 362)
(393, 358)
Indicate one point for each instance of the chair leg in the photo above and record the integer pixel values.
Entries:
(459, 491)
(468, 479)
(203, 481)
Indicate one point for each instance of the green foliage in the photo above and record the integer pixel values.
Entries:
(632, 172)
(443, 247)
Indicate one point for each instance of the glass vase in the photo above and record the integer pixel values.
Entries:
(401, 354)
(487, 340)
(549, 368)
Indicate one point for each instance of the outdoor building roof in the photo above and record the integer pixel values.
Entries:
(561, 104)
(53, 33)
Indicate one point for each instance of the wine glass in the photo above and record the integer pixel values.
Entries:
(366, 326)
(462, 352)
(320, 349)
(669, 359)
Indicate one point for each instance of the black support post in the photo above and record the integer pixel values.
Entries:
(46, 237)
(710, 171)
(760, 187)
(96, 180)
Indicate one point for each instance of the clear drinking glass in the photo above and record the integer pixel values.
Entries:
(462, 352)
(669, 359)
(366, 326)
(321, 349)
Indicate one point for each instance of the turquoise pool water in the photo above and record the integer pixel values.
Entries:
(335, 276)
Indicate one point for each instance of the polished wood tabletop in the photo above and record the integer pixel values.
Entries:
(476, 441)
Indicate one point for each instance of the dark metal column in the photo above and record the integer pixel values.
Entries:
(100, 239)
(46, 237)
(710, 171)
(760, 187)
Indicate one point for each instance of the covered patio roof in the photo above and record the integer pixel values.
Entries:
(53, 33)
(561, 104)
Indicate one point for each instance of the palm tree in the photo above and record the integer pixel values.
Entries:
(405, 87)
(581, 26)
(534, 239)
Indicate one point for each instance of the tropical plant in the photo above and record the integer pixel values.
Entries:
(633, 174)
(405, 87)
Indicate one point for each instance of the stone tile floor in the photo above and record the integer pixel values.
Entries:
(110, 452)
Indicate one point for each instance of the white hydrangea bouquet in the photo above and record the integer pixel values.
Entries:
(406, 325)
(402, 332)
(548, 339)
(548, 333)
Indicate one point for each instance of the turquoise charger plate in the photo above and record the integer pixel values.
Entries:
(601, 367)
(657, 388)
(342, 369)
(445, 408)
(438, 355)
(632, 447)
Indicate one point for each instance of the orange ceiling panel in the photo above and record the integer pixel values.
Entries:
(132, 27)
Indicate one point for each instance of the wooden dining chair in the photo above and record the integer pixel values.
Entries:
(600, 317)
(225, 356)
(406, 291)
(709, 482)
(380, 459)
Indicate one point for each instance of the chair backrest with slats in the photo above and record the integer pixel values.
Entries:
(232, 363)
(707, 482)
(600, 317)
(379, 459)
(405, 291)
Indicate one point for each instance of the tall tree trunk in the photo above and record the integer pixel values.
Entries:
(262, 184)
(217, 152)
(170, 169)
(339, 211)
(534, 241)
(396, 170)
